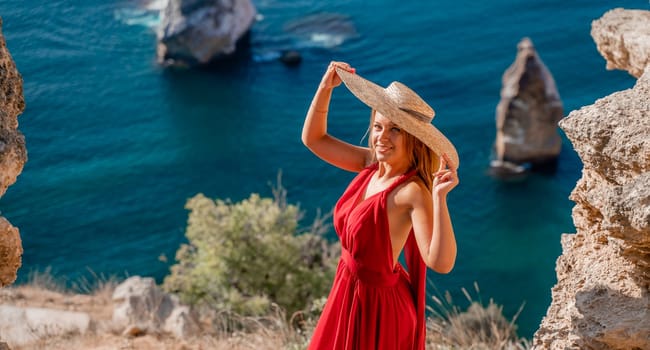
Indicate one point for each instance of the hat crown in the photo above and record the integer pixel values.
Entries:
(410, 102)
(403, 107)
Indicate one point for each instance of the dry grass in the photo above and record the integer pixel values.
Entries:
(268, 333)
(223, 330)
(478, 327)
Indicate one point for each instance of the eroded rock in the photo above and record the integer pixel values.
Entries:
(196, 32)
(13, 156)
(24, 325)
(602, 298)
(623, 38)
(11, 250)
(140, 305)
(528, 112)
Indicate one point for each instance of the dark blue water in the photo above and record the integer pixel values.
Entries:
(117, 145)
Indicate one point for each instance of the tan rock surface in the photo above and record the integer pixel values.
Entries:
(602, 298)
(23, 325)
(13, 156)
(528, 112)
(102, 334)
(11, 250)
(12, 143)
(623, 38)
(142, 307)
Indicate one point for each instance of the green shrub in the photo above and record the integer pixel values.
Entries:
(241, 257)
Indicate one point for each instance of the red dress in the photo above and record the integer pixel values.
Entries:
(371, 304)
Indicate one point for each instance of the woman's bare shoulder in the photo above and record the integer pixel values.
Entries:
(412, 192)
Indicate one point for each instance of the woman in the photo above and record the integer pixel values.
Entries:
(397, 201)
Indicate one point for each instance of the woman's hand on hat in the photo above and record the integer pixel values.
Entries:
(446, 178)
(331, 79)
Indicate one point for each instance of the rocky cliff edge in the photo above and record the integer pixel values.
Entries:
(13, 156)
(602, 297)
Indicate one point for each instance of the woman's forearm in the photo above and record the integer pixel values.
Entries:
(315, 126)
(442, 250)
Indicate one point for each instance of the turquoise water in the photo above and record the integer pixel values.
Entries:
(116, 144)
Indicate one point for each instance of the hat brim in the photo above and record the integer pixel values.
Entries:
(375, 97)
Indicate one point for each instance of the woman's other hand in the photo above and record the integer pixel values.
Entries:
(331, 79)
(446, 178)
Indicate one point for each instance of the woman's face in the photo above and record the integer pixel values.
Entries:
(388, 140)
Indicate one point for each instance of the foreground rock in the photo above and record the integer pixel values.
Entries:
(196, 32)
(602, 298)
(11, 250)
(132, 312)
(141, 307)
(98, 333)
(13, 156)
(24, 325)
(528, 112)
(623, 38)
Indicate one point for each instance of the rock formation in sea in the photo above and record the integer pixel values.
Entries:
(197, 32)
(13, 156)
(602, 297)
(528, 113)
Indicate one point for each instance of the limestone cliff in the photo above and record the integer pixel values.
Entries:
(602, 298)
(623, 38)
(13, 156)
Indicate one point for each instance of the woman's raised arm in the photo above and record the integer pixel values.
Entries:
(314, 132)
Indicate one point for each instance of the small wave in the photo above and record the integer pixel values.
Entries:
(325, 30)
(138, 17)
(155, 5)
(326, 40)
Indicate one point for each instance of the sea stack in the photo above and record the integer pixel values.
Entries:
(198, 32)
(527, 115)
(602, 297)
(13, 156)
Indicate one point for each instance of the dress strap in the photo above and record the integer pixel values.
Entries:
(400, 180)
(368, 171)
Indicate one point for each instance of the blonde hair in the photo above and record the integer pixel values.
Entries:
(422, 158)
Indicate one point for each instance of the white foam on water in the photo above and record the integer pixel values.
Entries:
(138, 17)
(155, 5)
(326, 40)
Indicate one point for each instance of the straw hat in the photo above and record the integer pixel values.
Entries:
(403, 107)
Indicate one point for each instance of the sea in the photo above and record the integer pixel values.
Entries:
(117, 143)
